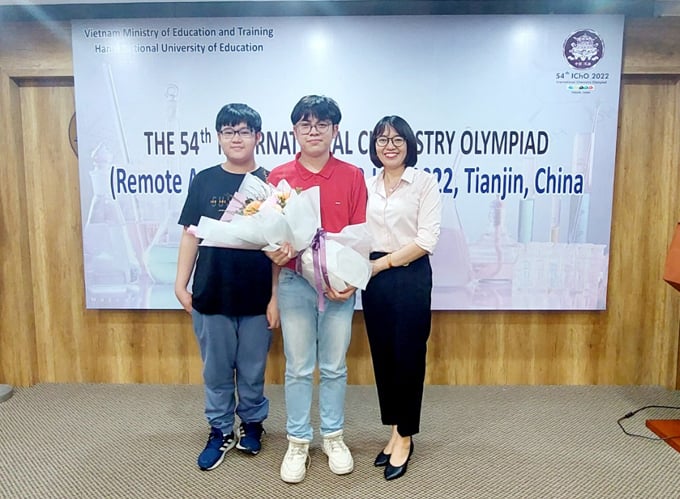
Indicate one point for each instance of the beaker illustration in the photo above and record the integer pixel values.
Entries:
(161, 255)
(111, 268)
(451, 257)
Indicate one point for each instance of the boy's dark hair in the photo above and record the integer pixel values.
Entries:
(233, 114)
(316, 106)
(404, 130)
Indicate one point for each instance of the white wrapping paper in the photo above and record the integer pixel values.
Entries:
(270, 224)
(346, 259)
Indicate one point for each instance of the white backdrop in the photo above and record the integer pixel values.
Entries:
(516, 115)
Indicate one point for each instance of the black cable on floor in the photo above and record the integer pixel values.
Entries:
(633, 413)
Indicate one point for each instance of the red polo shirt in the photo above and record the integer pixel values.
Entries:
(341, 185)
(342, 191)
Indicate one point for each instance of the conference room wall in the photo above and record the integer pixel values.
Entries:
(47, 335)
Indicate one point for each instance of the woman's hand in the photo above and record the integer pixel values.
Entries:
(382, 263)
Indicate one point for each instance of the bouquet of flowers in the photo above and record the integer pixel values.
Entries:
(262, 217)
(338, 260)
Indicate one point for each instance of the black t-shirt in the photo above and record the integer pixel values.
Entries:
(230, 282)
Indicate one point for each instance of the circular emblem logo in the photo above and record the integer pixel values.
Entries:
(583, 49)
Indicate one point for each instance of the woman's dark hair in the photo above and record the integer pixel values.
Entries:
(404, 130)
(316, 106)
(234, 114)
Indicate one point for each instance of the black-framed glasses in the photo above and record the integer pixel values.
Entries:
(244, 133)
(397, 141)
(321, 126)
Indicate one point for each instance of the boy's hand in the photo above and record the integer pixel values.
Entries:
(344, 295)
(281, 256)
(273, 317)
(185, 298)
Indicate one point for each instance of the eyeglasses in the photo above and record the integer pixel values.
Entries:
(321, 126)
(397, 141)
(244, 133)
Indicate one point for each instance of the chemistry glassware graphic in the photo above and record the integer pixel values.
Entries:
(152, 218)
(525, 221)
(579, 208)
(160, 256)
(451, 257)
(130, 205)
(582, 163)
(111, 269)
(494, 254)
(473, 274)
(560, 276)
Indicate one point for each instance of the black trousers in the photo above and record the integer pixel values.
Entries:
(397, 311)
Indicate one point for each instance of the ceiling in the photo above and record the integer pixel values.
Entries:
(55, 10)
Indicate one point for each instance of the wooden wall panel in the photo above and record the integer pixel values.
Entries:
(635, 341)
(650, 46)
(74, 344)
(52, 180)
(643, 311)
(17, 333)
(28, 50)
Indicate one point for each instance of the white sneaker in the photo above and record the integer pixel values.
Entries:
(339, 457)
(296, 461)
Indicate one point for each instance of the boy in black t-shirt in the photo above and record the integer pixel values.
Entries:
(233, 299)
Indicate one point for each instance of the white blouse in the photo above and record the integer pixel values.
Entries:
(412, 213)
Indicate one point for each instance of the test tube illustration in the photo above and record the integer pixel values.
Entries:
(582, 163)
(555, 215)
(160, 256)
(525, 222)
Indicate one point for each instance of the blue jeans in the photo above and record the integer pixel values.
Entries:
(234, 353)
(310, 336)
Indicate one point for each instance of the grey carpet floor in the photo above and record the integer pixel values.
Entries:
(87, 440)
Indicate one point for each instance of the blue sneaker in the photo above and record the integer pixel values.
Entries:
(250, 438)
(217, 446)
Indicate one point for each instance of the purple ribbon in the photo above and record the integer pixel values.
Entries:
(320, 270)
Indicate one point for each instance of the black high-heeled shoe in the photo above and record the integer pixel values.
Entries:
(393, 472)
(381, 460)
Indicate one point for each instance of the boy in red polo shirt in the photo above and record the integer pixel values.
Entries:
(309, 334)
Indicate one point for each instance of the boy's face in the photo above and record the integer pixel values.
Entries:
(314, 136)
(238, 142)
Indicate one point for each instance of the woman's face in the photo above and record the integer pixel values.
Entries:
(391, 155)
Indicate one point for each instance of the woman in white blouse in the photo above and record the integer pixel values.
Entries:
(403, 216)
